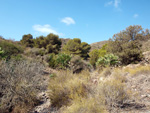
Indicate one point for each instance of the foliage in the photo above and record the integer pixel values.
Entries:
(52, 60)
(77, 64)
(10, 49)
(63, 60)
(51, 42)
(126, 45)
(27, 40)
(108, 60)
(60, 61)
(20, 83)
(39, 42)
(1, 52)
(75, 47)
(95, 54)
(18, 57)
(85, 50)
(66, 87)
(33, 52)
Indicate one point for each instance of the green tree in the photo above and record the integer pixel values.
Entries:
(75, 47)
(39, 42)
(51, 42)
(126, 44)
(85, 49)
(27, 40)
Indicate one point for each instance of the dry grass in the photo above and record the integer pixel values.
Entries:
(138, 70)
(86, 105)
(74, 93)
(67, 86)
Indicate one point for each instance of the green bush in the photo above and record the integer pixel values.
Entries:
(108, 60)
(1, 52)
(18, 57)
(95, 54)
(52, 60)
(63, 60)
(10, 49)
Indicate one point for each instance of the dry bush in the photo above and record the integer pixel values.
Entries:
(20, 83)
(77, 64)
(74, 93)
(34, 52)
(113, 90)
(66, 87)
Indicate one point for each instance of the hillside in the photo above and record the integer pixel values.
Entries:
(97, 45)
(37, 76)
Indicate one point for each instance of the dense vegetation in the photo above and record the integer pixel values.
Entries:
(72, 87)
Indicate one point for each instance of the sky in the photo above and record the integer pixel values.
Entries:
(89, 20)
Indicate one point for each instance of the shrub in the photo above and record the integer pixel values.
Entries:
(33, 52)
(77, 64)
(52, 60)
(95, 54)
(27, 40)
(63, 61)
(86, 105)
(10, 49)
(75, 47)
(113, 90)
(20, 83)
(1, 52)
(126, 45)
(108, 60)
(114, 93)
(18, 57)
(65, 87)
(51, 43)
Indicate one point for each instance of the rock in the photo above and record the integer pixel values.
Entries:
(44, 107)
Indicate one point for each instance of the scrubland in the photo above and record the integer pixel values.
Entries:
(47, 74)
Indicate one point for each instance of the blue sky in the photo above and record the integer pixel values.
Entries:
(89, 20)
